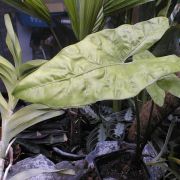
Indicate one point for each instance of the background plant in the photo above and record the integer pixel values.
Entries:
(15, 121)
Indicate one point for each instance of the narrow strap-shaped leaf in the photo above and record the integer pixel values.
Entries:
(13, 42)
(88, 13)
(27, 110)
(83, 15)
(19, 126)
(110, 6)
(3, 103)
(31, 66)
(35, 8)
(72, 7)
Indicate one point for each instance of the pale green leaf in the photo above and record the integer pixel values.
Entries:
(75, 86)
(29, 116)
(157, 94)
(31, 66)
(143, 55)
(170, 84)
(13, 42)
(3, 103)
(24, 175)
(104, 49)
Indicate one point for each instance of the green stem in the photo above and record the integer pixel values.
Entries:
(138, 129)
(56, 38)
(144, 97)
(171, 127)
(115, 105)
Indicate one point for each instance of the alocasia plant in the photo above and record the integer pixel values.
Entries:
(94, 69)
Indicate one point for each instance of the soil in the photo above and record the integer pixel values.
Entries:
(120, 167)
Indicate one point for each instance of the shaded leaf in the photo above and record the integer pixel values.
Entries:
(83, 15)
(164, 10)
(110, 6)
(35, 8)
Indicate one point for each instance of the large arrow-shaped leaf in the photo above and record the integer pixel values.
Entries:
(95, 53)
(76, 88)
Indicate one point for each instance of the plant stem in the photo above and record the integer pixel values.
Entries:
(147, 134)
(144, 96)
(115, 106)
(138, 127)
(56, 38)
(171, 127)
(2, 162)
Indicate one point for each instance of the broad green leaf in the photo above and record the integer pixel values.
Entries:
(72, 86)
(143, 55)
(171, 84)
(156, 93)
(35, 8)
(13, 42)
(34, 172)
(31, 66)
(104, 48)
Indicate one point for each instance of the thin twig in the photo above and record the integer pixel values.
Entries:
(56, 38)
(171, 127)
(68, 155)
(10, 163)
(138, 126)
(147, 134)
